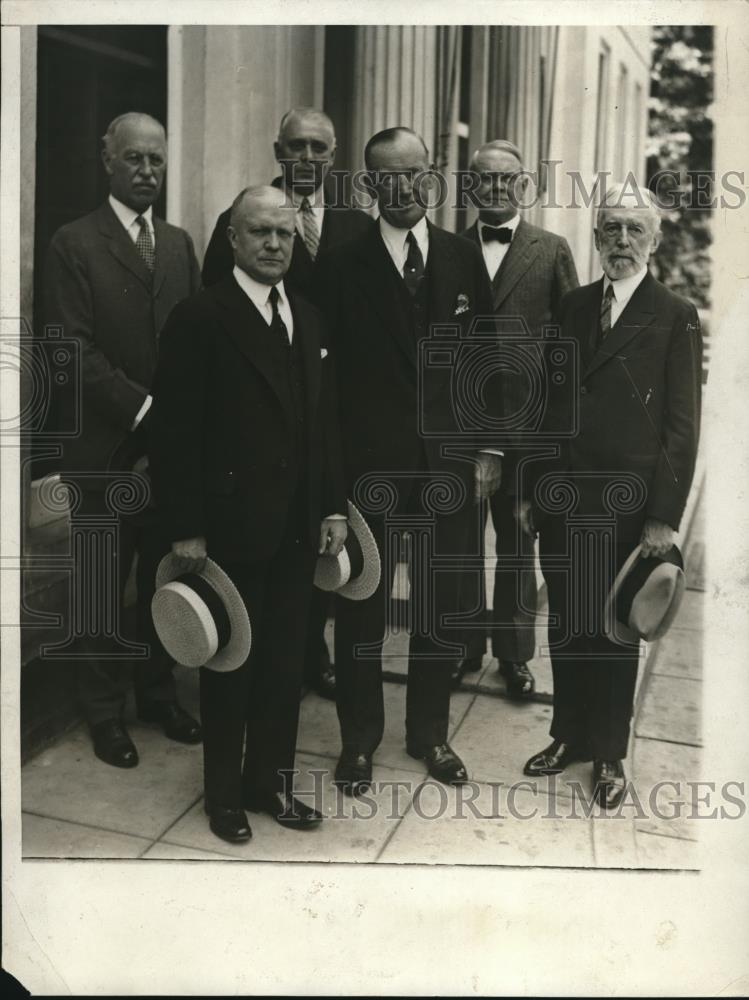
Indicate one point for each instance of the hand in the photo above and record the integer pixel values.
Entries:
(488, 475)
(524, 517)
(191, 554)
(657, 537)
(333, 531)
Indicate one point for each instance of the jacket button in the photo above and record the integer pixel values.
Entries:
(583, 390)
(283, 463)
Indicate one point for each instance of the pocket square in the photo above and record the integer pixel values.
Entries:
(323, 353)
(462, 305)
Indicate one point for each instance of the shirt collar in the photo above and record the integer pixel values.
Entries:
(127, 216)
(396, 238)
(624, 287)
(256, 291)
(511, 224)
(316, 201)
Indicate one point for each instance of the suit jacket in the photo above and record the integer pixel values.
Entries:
(536, 272)
(221, 435)
(383, 408)
(634, 401)
(339, 225)
(98, 289)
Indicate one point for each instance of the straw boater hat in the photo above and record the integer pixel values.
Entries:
(645, 596)
(355, 571)
(200, 618)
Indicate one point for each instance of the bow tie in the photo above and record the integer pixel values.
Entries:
(503, 234)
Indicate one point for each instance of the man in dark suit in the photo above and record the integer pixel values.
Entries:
(383, 294)
(111, 279)
(305, 150)
(245, 464)
(530, 270)
(627, 423)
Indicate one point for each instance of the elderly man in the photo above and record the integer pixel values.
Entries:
(384, 293)
(110, 281)
(246, 469)
(530, 270)
(305, 150)
(628, 421)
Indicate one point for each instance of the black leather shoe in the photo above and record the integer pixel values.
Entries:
(609, 783)
(173, 719)
(554, 759)
(113, 745)
(285, 809)
(442, 762)
(520, 682)
(353, 773)
(228, 824)
(466, 665)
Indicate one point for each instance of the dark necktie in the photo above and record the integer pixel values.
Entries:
(277, 325)
(309, 225)
(608, 295)
(144, 244)
(503, 234)
(413, 270)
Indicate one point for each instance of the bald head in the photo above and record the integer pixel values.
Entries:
(134, 156)
(261, 233)
(305, 149)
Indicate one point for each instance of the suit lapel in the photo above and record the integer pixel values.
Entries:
(164, 254)
(247, 329)
(520, 255)
(122, 247)
(305, 328)
(442, 290)
(638, 314)
(378, 281)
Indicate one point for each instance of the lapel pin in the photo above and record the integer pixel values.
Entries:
(462, 305)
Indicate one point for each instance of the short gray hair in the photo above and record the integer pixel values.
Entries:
(622, 194)
(111, 134)
(304, 112)
(502, 146)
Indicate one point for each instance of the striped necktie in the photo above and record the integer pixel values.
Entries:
(608, 295)
(144, 244)
(309, 226)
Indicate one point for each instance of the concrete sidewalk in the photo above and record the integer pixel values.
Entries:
(74, 806)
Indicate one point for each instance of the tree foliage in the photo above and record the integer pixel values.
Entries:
(681, 140)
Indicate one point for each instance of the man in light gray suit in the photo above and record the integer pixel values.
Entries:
(530, 270)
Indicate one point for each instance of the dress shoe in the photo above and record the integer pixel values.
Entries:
(442, 763)
(228, 824)
(353, 773)
(173, 719)
(520, 682)
(554, 759)
(466, 665)
(285, 809)
(113, 745)
(609, 783)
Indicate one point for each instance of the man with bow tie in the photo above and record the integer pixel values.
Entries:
(305, 151)
(110, 281)
(625, 409)
(383, 294)
(530, 269)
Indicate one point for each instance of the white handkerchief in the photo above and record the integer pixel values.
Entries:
(323, 353)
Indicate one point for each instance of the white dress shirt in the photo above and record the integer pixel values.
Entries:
(395, 241)
(495, 252)
(624, 289)
(318, 209)
(259, 295)
(127, 217)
